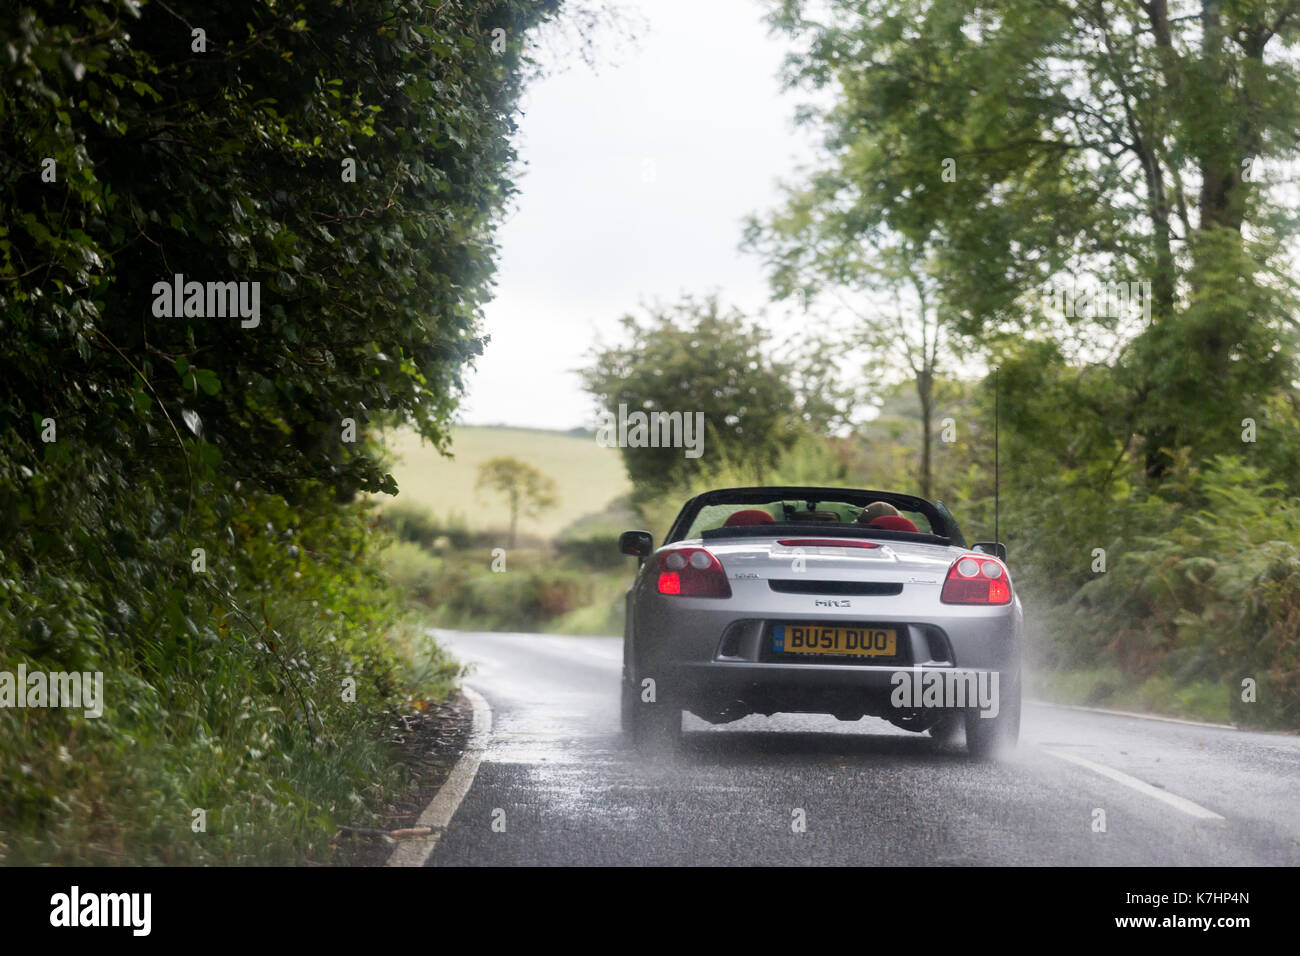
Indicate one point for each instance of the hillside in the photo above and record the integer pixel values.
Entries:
(588, 476)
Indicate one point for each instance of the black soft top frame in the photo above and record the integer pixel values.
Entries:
(937, 515)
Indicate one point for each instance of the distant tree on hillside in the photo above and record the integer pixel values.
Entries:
(528, 491)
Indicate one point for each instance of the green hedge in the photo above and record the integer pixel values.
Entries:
(1202, 584)
(353, 160)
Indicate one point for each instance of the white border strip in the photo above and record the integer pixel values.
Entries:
(1129, 713)
(437, 815)
(1178, 803)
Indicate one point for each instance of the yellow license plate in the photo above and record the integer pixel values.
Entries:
(819, 639)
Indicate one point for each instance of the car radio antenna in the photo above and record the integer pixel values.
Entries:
(996, 537)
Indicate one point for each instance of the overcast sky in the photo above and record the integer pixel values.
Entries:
(637, 179)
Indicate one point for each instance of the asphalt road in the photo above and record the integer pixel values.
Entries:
(558, 785)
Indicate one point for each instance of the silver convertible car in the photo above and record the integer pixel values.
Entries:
(821, 600)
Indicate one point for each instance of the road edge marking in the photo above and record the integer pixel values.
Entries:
(1181, 804)
(437, 815)
(1130, 713)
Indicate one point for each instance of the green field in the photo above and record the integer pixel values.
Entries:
(588, 477)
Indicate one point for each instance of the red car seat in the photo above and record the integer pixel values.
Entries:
(894, 523)
(750, 516)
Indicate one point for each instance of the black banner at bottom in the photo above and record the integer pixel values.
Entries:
(334, 907)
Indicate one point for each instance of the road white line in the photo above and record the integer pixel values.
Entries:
(1129, 713)
(442, 807)
(1178, 803)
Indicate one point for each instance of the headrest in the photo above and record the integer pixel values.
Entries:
(894, 523)
(750, 516)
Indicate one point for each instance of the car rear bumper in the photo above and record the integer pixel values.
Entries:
(706, 660)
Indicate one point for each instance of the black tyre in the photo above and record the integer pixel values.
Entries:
(989, 737)
(627, 706)
(652, 727)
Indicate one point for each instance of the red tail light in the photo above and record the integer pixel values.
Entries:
(692, 572)
(976, 579)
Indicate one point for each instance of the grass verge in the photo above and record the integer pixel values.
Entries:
(245, 737)
(1111, 689)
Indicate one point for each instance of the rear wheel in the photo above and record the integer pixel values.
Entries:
(627, 705)
(988, 737)
(652, 727)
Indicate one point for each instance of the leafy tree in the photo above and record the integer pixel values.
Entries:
(528, 491)
(177, 493)
(351, 158)
(219, 142)
(886, 283)
(695, 357)
(1008, 147)
(1120, 139)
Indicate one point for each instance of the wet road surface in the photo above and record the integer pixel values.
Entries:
(558, 784)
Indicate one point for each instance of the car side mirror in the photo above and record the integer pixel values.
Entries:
(995, 548)
(637, 543)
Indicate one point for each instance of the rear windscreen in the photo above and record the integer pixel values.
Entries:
(789, 511)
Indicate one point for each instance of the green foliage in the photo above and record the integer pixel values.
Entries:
(1221, 359)
(217, 696)
(1195, 586)
(527, 491)
(1111, 688)
(1014, 202)
(1202, 584)
(534, 591)
(614, 518)
(175, 434)
(696, 358)
(415, 523)
(593, 549)
(599, 618)
(1091, 142)
(592, 541)
(228, 165)
(981, 151)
